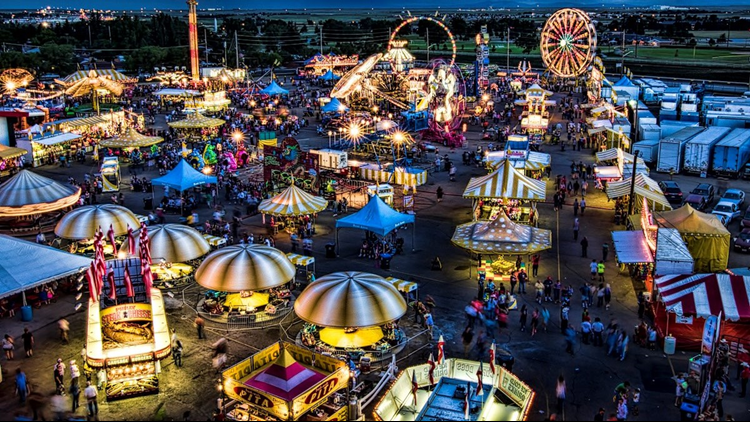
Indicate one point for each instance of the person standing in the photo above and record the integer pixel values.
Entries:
(535, 265)
(466, 337)
(522, 279)
(523, 316)
(64, 329)
(622, 410)
(513, 282)
(8, 345)
(607, 296)
(719, 390)
(560, 392)
(534, 321)
(22, 386)
(59, 373)
(600, 270)
(28, 342)
(174, 338)
(575, 208)
(75, 395)
(605, 251)
(744, 377)
(583, 206)
(91, 394)
(599, 417)
(177, 353)
(576, 226)
(439, 193)
(200, 325)
(584, 246)
(75, 373)
(586, 328)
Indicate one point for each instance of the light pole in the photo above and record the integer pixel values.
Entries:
(631, 199)
(330, 133)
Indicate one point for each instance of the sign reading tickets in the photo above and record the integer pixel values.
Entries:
(514, 388)
(126, 312)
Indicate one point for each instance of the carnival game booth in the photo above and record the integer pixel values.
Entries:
(289, 205)
(30, 203)
(249, 285)
(81, 226)
(378, 218)
(645, 188)
(456, 390)
(683, 301)
(286, 382)
(622, 165)
(407, 176)
(197, 125)
(10, 159)
(175, 250)
(351, 315)
(506, 188)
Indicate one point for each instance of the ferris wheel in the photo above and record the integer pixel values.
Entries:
(568, 43)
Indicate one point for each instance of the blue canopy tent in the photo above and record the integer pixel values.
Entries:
(183, 177)
(334, 106)
(274, 89)
(329, 76)
(376, 217)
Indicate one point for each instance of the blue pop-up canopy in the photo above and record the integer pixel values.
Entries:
(376, 217)
(183, 177)
(274, 89)
(334, 106)
(329, 76)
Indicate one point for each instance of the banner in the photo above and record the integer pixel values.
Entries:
(710, 328)
(514, 388)
(409, 201)
(127, 312)
(319, 393)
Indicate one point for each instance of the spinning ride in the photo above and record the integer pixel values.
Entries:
(568, 43)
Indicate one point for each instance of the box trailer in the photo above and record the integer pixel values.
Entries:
(670, 127)
(672, 148)
(649, 132)
(698, 151)
(648, 150)
(731, 153)
(331, 159)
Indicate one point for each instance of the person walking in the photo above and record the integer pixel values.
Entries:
(429, 323)
(91, 394)
(59, 374)
(622, 410)
(605, 251)
(586, 328)
(22, 386)
(200, 325)
(560, 392)
(584, 247)
(177, 353)
(439, 193)
(607, 296)
(597, 328)
(600, 270)
(720, 388)
(576, 227)
(545, 318)
(534, 321)
(480, 344)
(64, 326)
(575, 208)
(75, 395)
(28, 342)
(466, 338)
(535, 264)
(75, 373)
(523, 278)
(523, 316)
(570, 339)
(8, 346)
(583, 206)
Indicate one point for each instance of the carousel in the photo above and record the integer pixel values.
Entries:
(131, 139)
(353, 315)
(248, 285)
(198, 125)
(78, 229)
(175, 251)
(30, 202)
(290, 205)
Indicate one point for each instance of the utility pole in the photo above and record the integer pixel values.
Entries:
(428, 44)
(321, 39)
(89, 25)
(205, 38)
(631, 199)
(507, 55)
(622, 55)
(237, 49)
(109, 28)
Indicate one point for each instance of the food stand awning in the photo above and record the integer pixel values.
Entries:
(174, 92)
(245, 268)
(672, 254)
(7, 153)
(645, 187)
(84, 122)
(109, 73)
(196, 121)
(56, 139)
(376, 217)
(502, 236)
(131, 139)
(183, 177)
(618, 154)
(293, 201)
(704, 295)
(84, 222)
(631, 247)
(403, 285)
(25, 265)
(595, 130)
(28, 193)
(506, 182)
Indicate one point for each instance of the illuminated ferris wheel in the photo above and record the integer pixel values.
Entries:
(568, 43)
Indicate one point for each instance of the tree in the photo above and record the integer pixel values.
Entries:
(722, 38)
(57, 58)
(711, 42)
(146, 58)
(528, 41)
(692, 42)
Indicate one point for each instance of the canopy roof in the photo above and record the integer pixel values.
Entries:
(376, 217)
(624, 81)
(177, 92)
(245, 267)
(183, 177)
(196, 120)
(29, 193)
(274, 89)
(293, 201)
(83, 222)
(173, 243)
(329, 76)
(21, 269)
(59, 137)
(501, 236)
(131, 139)
(334, 106)
(285, 378)
(688, 220)
(704, 295)
(671, 247)
(350, 299)
(617, 153)
(506, 182)
(631, 247)
(7, 153)
(645, 187)
(107, 73)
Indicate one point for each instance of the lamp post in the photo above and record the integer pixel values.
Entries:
(631, 199)
(330, 133)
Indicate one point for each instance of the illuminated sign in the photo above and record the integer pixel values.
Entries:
(250, 396)
(127, 312)
(514, 388)
(650, 230)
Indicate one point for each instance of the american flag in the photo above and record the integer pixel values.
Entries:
(441, 350)
(492, 358)
(414, 386)
(431, 372)
(480, 386)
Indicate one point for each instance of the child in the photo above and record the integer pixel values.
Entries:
(635, 401)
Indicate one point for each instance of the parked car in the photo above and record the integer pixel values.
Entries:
(729, 210)
(696, 201)
(745, 219)
(672, 192)
(746, 172)
(706, 190)
(736, 196)
(742, 242)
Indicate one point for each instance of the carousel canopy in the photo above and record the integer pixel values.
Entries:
(334, 106)
(329, 76)
(29, 193)
(274, 89)
(7, 153)
(341, 339)
(350, 299)
(107, 73)
(293, 201)
(83, 222)
(20, 269)
(376, 217)
(245, 267)
(173, 243)
(506, 182)
(285, 378)
(131, 139)
(196, 121)
(183, 177)
(501, 236)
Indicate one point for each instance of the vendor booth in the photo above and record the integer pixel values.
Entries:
(645, 188)
(248, 285)
(274, 89)
(531, 163)
(450, 391)
(286, 382)
(408, 176)
(351, 315)
(672, 255)
(45, 149)
(305, 267)
(198, 125)
(622, 165)
(376, 217)
(10, 159)
(110, 174)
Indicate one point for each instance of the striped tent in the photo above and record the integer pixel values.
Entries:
(108, 73)
(173, 243)
(85, 121)
(704, 295)
(506, 182)
(29, 193)
(7, 153)
(645, 187)
(501, 236)
(245, 267)
(131, 139)
(350, 299)
(196, 121)
(285, 378)
(615, 154)
(293, 201)
(83, 223)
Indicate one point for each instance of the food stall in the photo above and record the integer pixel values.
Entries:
(10, 159)
(400, 176)
(305, 266)
(110, 173)
(355, 312)
(443, 394)
(285, 382)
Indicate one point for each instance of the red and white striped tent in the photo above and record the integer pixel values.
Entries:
(703, 295)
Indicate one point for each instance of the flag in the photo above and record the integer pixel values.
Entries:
(431, 373)
(466, 401)
(414, 386)
(131, 241)
(111, 237)
(480, 387)
(147, 279)
(128, 283)
(492, 358)
(112, 285)
(441, 350)
(91, 279)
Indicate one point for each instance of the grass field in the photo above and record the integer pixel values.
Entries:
(716, 34)
(686, 54)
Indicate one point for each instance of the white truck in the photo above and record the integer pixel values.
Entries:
(331, 159)
(699, 150)
(672, 148)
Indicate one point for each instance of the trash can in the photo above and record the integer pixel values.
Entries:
(688, 411)
(505, 359)
(148, 203)
(330, 250)
(385, 263)
(26, 313)
(670, 344)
